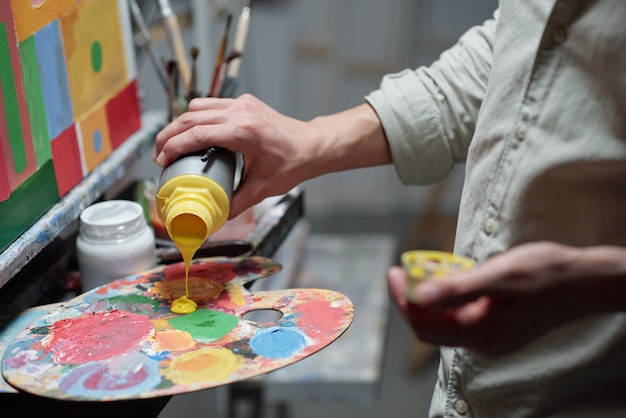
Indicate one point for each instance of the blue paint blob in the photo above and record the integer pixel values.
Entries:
(277, 342)
(54, 80)
(97, 141)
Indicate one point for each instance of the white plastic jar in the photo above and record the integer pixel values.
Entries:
(114, 241)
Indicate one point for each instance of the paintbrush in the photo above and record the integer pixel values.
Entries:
(231, 79)
(241, 35)
(177, 105)
(223, 87)
(221, 53)
(169, 89)
(218, 76)
(147, 41)
(193, 92)
(176, 41)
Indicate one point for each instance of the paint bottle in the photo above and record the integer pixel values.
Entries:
(193, 198)
(114, 241)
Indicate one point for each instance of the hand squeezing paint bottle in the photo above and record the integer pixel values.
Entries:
(193, 202)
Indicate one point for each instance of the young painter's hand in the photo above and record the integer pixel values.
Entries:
(279, 152)
(514, 297)
(272, 144)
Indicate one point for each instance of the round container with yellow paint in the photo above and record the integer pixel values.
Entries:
(421, 265)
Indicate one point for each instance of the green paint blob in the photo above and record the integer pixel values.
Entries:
(96, 56)
(35, 100)
(205, 325)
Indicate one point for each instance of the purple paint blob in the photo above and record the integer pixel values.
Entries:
(277, 342)
(130, 374)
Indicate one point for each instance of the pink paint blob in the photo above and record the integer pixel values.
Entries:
(319, 318)
(97, 336)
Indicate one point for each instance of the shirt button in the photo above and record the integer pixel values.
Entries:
(460, 406)
(521, 131)
(490, 226)
(559, 35)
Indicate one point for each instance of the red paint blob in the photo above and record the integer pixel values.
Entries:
(96, 337)
(319, 318)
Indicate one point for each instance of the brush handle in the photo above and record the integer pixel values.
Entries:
(145, 33)
(239, 43)
(219, 61)
(176, 41)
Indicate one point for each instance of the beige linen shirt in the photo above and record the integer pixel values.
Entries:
(534, 100)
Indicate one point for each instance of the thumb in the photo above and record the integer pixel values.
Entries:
(428, 293)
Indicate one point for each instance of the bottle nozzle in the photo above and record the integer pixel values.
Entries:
(188, 229)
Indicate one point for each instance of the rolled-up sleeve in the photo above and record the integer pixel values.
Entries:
(429, 114)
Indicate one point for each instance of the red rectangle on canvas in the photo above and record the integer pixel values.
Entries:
(123, 114)
(66, 158)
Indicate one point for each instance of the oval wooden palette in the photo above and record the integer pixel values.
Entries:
(121, 341)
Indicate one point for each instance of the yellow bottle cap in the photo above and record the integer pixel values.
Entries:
(192, 206)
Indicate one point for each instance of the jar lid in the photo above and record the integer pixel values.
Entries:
(112, 220)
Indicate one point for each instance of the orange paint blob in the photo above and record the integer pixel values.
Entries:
(174, 340)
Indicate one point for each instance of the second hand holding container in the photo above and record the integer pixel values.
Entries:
(193, 202)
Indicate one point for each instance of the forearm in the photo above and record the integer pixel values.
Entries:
(348, 140)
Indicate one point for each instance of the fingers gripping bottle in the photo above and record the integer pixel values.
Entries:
(193, 198)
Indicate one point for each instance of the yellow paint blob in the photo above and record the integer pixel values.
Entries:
(188, 233)
(236, 295)
(184, 305)
(210, 364)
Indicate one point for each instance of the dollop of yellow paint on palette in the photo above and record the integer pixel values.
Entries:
(184, 305)
(208, 364)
